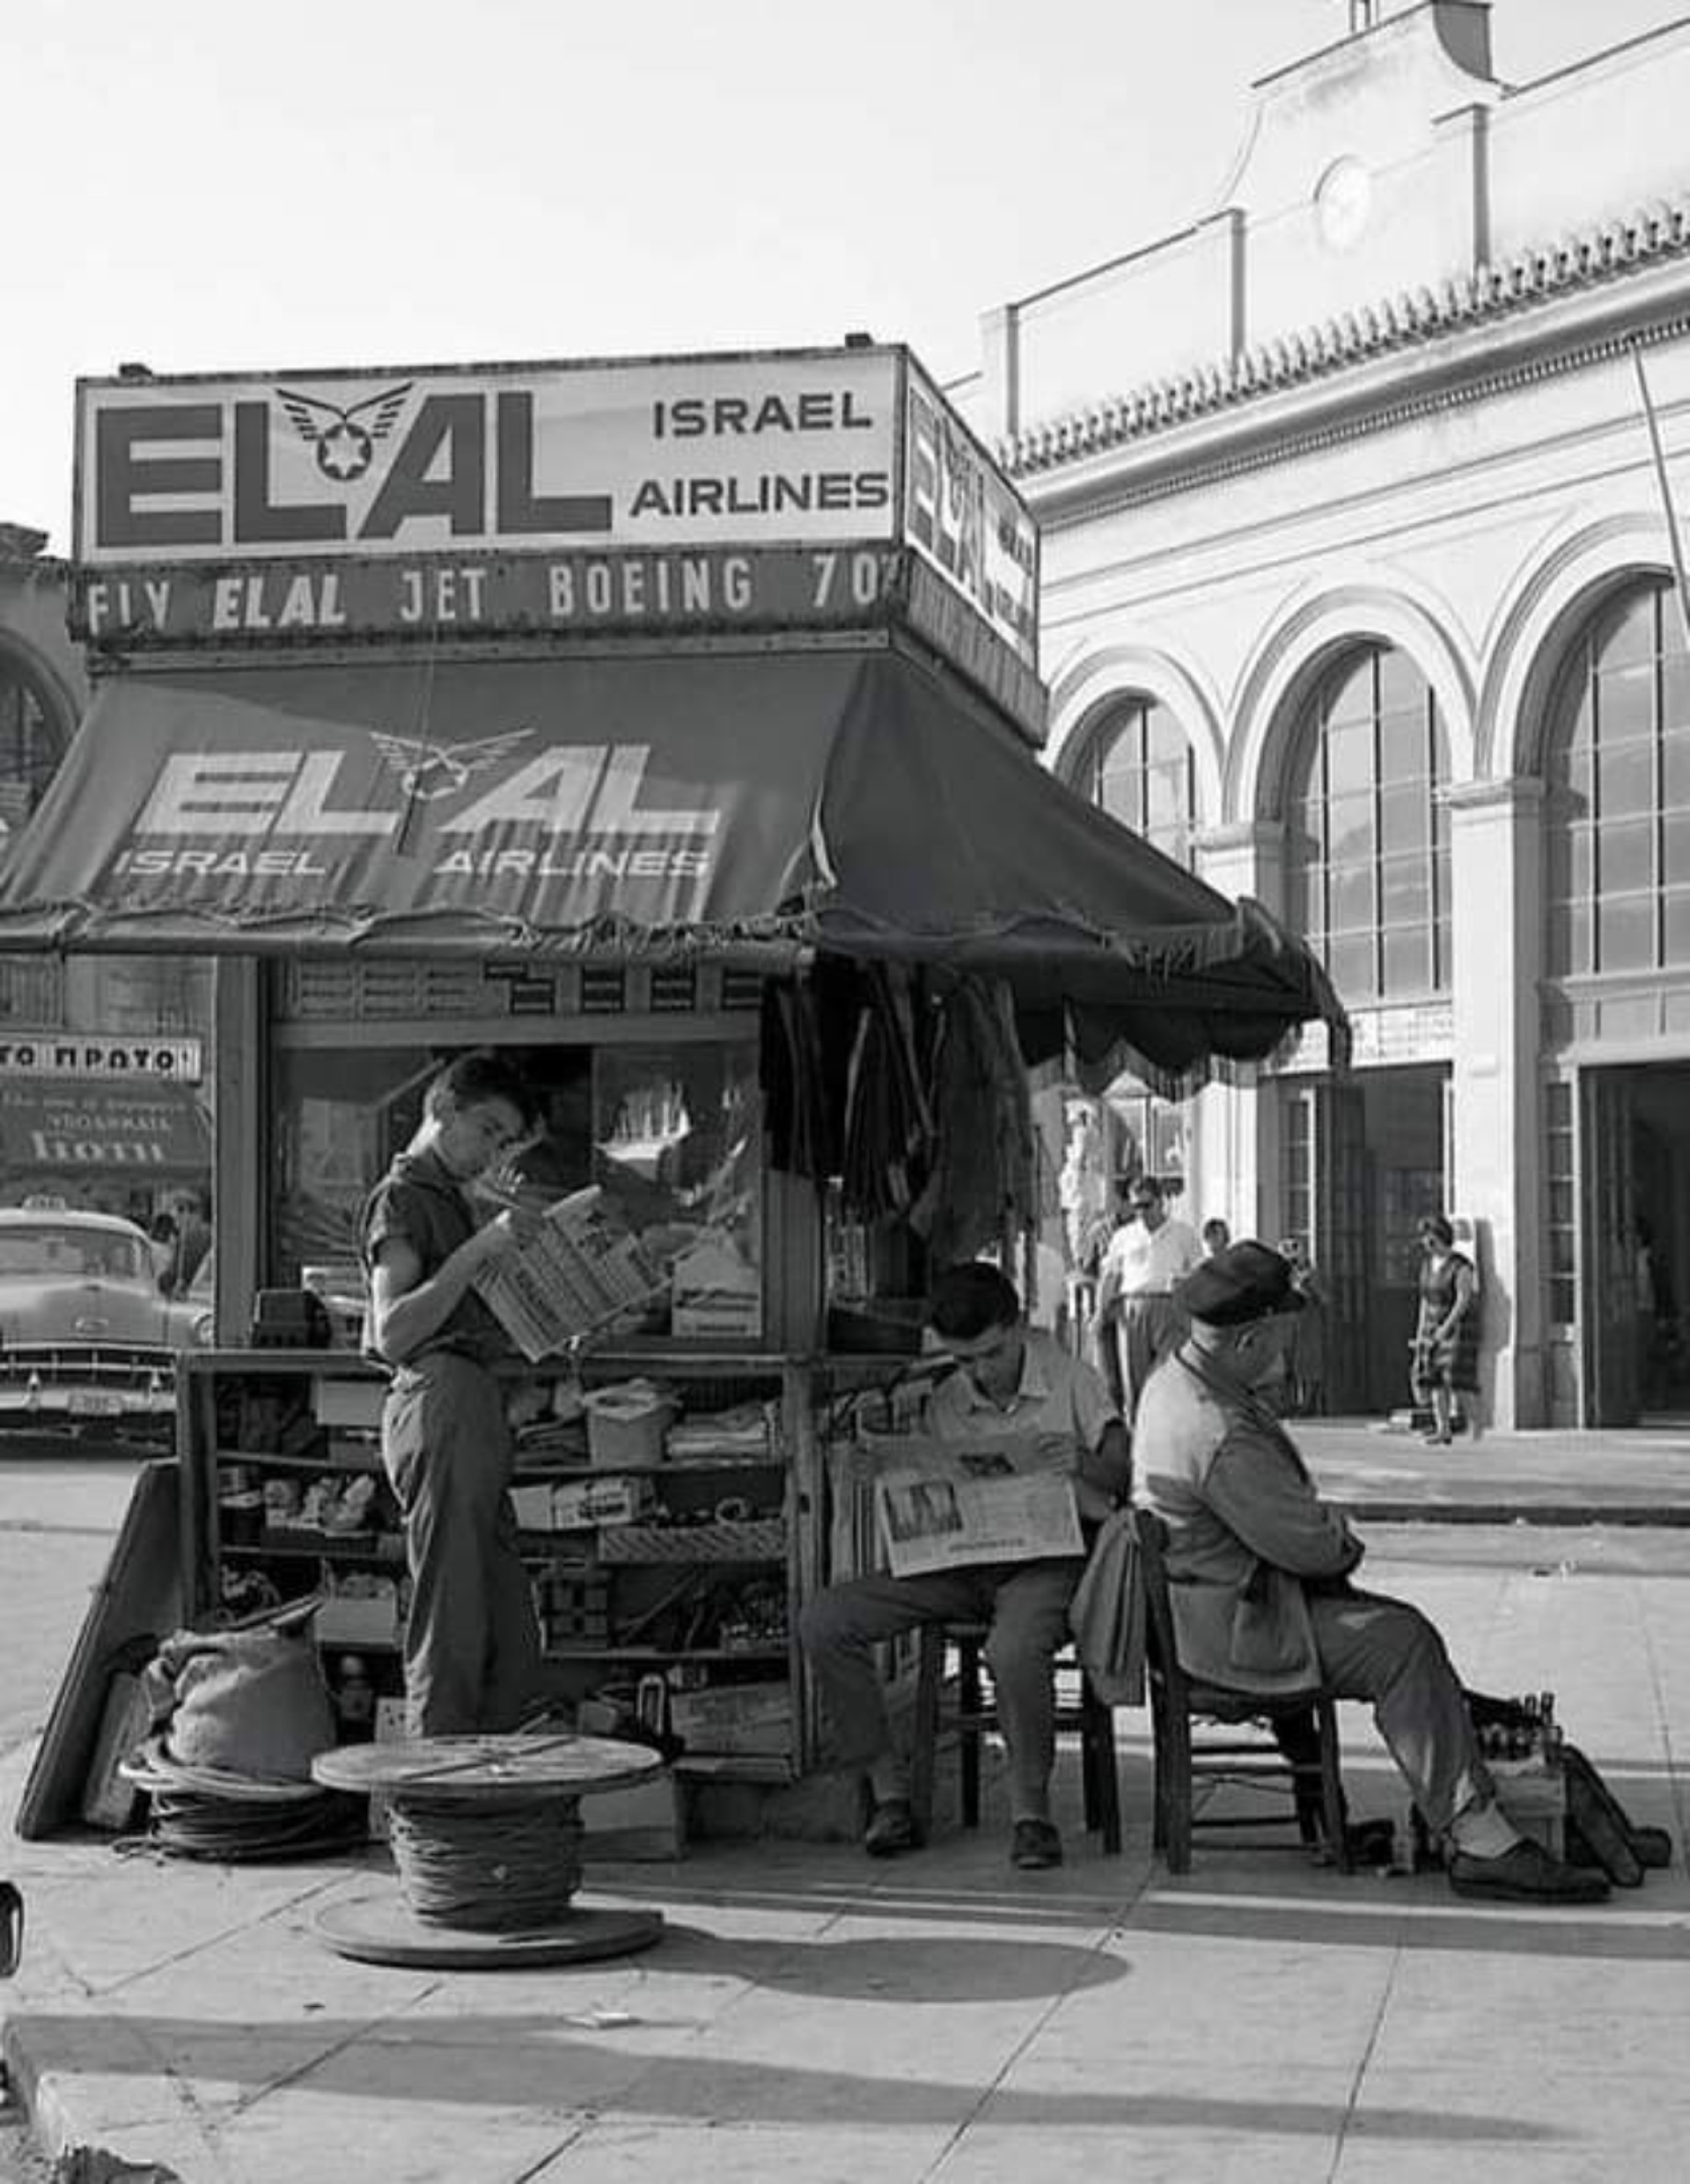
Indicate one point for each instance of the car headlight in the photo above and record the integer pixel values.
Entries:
(205, 1328)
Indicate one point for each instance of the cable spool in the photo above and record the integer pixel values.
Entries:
(486, 1837)
(493, 1868)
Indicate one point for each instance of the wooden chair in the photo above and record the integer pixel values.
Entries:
(1298, 1752)
(974, 1714)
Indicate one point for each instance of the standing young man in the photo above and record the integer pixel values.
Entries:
(471, 1645)
(1010, 1377)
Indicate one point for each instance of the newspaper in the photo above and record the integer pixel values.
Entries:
(580, 1268)
(943, 1505)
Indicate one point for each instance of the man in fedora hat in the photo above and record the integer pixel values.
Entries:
(1261, 1574)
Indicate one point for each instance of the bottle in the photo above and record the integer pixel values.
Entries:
(355, 1699)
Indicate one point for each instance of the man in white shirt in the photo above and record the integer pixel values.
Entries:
(1138, 1320)
(1010, 1377)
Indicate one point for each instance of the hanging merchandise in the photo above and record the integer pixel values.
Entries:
(889, 1128)
(981, 1192)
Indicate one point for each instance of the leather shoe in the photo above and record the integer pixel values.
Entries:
(1527, 1873)
(892, 1829)
(1651, 1847)
(1035, 1846)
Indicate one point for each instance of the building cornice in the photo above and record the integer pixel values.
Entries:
(1544, 312)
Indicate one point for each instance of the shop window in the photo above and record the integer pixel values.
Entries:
(1367, 878)
(672, 1134)
(1617, 769)
(1139, 767)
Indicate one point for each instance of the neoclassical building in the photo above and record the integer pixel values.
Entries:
(1359, 592)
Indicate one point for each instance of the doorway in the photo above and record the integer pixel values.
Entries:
(1635, 1260)
(1365, 1160)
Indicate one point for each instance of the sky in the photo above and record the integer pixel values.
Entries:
(218, 185)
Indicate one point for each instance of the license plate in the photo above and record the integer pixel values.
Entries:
(94, 1403)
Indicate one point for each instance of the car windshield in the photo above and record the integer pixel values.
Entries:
(65, 1254)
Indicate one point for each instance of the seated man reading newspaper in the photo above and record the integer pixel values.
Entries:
(1019, 1415)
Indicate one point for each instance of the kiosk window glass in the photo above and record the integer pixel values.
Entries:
(672, 1134)
(678, 1145)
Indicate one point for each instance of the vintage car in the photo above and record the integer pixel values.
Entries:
(88, 1341)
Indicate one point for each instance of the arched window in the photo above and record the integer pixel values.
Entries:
(1367, 850)
(1138, 767)
(1618, 781)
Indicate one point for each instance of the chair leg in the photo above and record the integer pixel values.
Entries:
(968, 1706)
(1177, 1846)
(929, 1678)
(1333, 1803)
(1098, 1742)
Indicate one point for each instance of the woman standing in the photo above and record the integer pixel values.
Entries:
(1447, 1338)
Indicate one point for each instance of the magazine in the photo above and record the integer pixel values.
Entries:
(580, 1269)
(943, 1505)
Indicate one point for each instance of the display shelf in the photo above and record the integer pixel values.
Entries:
(588, 1651)
(330, 1551)
(263, 1460)
(664, 1468)
(228, 1396)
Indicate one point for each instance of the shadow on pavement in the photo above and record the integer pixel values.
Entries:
(523, 2063)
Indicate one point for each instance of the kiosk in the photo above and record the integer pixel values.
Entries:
(674, 721)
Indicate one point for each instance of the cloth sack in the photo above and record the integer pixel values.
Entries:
(251, 1701)
(1107, 1614)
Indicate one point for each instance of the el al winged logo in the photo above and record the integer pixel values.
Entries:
(345, 448)
(428, 770)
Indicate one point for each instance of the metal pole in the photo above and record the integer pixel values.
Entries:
(1674, 539)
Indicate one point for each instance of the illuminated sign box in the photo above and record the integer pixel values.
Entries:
(794, 491)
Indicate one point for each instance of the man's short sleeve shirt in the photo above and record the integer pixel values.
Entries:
(1057, 1394)
(419, 1201)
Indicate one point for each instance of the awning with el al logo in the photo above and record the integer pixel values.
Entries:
(756, 805)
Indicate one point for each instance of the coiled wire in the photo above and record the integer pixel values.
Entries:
(494, 1867)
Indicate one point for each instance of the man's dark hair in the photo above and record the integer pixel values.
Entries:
(481, 1075)
(1438, 1229)
(969, 1301)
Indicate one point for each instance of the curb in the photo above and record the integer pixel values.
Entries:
(1381, 1510)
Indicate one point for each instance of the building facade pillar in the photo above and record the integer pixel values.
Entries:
(1497, 1149)
(1235, 1150)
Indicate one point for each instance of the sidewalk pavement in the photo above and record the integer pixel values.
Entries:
(941, 2018)
(1637, 1476)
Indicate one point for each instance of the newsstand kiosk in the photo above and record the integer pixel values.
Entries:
(673, 725)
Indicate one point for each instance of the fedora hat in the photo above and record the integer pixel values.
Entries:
(1245, 1281)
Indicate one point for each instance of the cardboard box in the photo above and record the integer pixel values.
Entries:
(356, 1619)
(579, 1503)
(348, 1403)
(391, 1728)
(533, 1505)
(644, 1820)
(741, 1718)
(627, 1424)
(1534, 1797)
